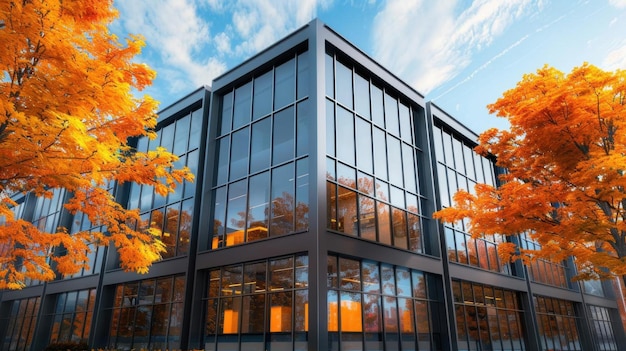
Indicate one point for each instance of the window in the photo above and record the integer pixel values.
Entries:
(72, 316)
(258, 302)
(20, 324)
(262, 164)
(542, 270)
(487, 317)
(602, 328)
(379, 306)
(172, 215)
(557, 322)
(148, 314)
(456, 171)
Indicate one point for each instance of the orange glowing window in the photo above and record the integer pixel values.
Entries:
(351, 320)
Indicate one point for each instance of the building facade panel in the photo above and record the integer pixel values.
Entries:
(309, 227)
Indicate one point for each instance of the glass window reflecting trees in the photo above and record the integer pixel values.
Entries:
(72, 318)
(171, 215)
(148, 314)
(487, 317)
(372, 189)
(557, 323)
(258, 305)
(543, 270)
(602, 328)
(262, 165)
(460, 168)
(20, 323)
(375, 306)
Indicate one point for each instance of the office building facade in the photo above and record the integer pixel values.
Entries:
(309, 227)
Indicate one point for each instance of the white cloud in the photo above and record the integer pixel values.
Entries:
(222, 43)
(430, 42)
(616, 59)
(259, 23)
(175, 32)
(620, 4)
(181, 34)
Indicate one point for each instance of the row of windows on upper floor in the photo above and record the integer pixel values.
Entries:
(171, 215)
(461, 157)
(357, 92)
(358, 143)
(270, 203)
(267, 142)
(270, 91)
(182, 137)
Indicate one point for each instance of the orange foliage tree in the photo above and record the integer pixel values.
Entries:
(67, 110)
(565, 161)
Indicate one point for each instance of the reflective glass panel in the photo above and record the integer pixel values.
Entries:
(378, 112)
(391, 115)
(227, 112)
(345, 135)
(282, 220)
(239, 154)
(285, 90)
(182, 135)
(284, 136)
(258, 207)
(303, 75)
(395, 161)
(222, 160)
(362, 96)
(344, 84)
(329, 77)
(384, 225)
(303, 128)
(346, 211)
(406, 132)
(260, 145)
(364, 145)
(380, 153)
(367, 218)
(242, 107)
(236, 219)
(262, 96)
(302, 194)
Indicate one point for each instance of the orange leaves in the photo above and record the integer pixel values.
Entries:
(564, 155)
(67, 111)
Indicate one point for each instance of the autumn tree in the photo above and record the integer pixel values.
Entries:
(565, 161)
(67, 112)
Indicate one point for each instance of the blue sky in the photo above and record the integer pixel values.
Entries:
(460, 54)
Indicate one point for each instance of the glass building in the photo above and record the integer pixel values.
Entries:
(309, 227)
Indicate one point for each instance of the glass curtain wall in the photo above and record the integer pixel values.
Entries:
(148, 314)
(487, 317)
(557, 323)
(46, 216)
(20, 323)
(602, 328)
(545, 271)
(460, 168)
(96, 255)
(372, 182)
(377, 306)
(171, 215)
(72, 316)
(259, 305)
(262, 173)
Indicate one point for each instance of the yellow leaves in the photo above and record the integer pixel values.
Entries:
(67, 111)
(565, 159)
